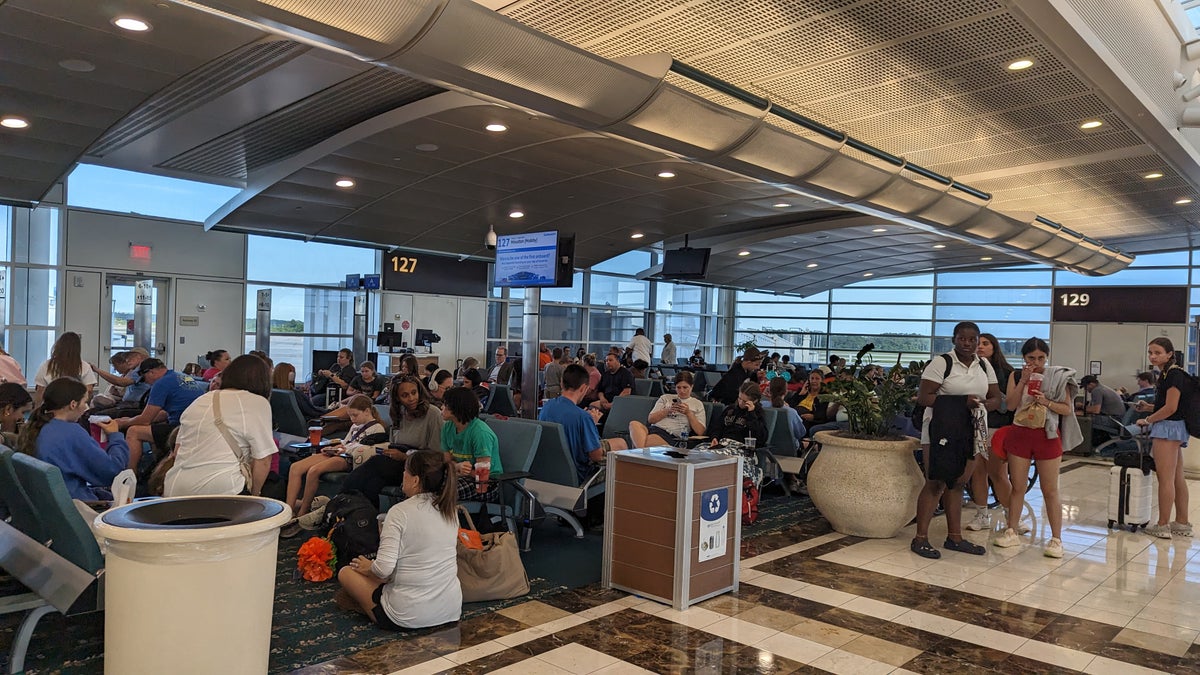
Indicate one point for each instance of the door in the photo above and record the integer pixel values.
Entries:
(119, 314)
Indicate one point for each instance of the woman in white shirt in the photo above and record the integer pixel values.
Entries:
(64, 361)
(673, 416)
(206, 463)
(413, 581)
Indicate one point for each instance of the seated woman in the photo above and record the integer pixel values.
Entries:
(283, 376)
(210, 460)
(813, 412)
(468, 363)
(344, 454)
(473, 380)
(15, 403)
(776, 391)
(53, 435)
(441, 383)
(466, 440)
(742, 420)
(696, 360)
(413, 580)
(416, 424)
(218, 360)
(673, 416)
(366, 383)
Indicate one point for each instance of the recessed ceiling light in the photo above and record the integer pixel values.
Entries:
(939, 246)
(868, 274)
(666, 174)
(743, 252)
(77, 65)
(14, 122)
(1152, 175)
(516, 214)
(1184, 200)
(986, 258)
(636, 235)
(781, 205)
(425, 147)
(496, 127)
(811, 265)
(1091, 124)
(880, 229)
(344, 183)
(131, 24)
(1020, 65)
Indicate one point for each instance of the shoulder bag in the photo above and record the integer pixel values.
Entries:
(244, 461)
(493, 571)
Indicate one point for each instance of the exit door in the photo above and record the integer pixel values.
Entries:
(120, 307)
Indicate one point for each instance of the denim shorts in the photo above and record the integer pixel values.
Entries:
(1171, 430)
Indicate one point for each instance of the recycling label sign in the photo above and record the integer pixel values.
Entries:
(714, 523)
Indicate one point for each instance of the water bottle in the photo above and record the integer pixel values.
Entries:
(683, 439)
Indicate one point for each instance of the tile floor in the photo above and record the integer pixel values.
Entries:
(1117, 602)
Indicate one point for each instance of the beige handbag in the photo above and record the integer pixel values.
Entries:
(493, 573)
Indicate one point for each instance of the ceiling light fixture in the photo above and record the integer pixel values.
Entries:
(666, 174)
(1152, 175)
(743, 252)
(424, 147)
(1184, 200)
(781, 205)
(811, 265)
(1020, 65)
(1091, 124)
(14, 122)
(131, 24)
(868, 274)
(939, 246)
(344, 183)
(986, 258)
(636, 235)
(496, 127)
(77, 65)
(880, 229)
(516, 214)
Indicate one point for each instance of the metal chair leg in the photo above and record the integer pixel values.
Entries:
(20, 645)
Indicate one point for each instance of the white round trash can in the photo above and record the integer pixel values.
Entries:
(190, 584)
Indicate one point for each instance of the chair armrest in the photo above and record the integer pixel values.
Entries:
(509, 476)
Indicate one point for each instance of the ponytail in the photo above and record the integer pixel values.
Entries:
(437, 476)
(58, 395)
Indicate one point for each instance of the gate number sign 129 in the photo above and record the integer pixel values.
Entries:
(1075, 299)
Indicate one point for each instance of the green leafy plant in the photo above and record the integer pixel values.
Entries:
(872, 407)
(741, 348)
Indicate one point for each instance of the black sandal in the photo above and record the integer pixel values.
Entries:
(923, 548)
(964, 546)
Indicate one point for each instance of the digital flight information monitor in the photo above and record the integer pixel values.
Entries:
(524, 260)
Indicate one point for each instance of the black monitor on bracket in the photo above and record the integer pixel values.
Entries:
(685, 263)
(425, 336)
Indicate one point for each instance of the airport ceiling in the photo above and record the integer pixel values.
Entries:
(282, 98)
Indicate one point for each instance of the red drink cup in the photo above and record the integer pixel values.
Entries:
(314, 435)
(483, 469)
(1035, 384)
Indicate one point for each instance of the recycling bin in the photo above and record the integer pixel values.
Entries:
(190, 584)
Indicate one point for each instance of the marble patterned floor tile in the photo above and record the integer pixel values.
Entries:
(995, 639)
(577, 659)
(824, 633)
(477, 652)
(430, 667)
(777, 583)
(622, 668)
(1165, 630)
(1055, 655)
(769, 617)
(533, 613)
(875, 608)
(1153, 642)
(847, 663)
(532, 667)
(738, 630)
(794, 648)
(883, 651)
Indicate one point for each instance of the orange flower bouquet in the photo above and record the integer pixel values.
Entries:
(317, 559)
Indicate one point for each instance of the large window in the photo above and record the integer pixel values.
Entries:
(119, 191)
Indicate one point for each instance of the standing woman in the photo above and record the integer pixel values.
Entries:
(1055, 392)
(413, 580)
(64, 361)
(949, 466)
(466, 440)
(992, 464)
(1169, 436)
(218, 360)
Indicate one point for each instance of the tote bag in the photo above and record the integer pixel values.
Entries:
(494, 572)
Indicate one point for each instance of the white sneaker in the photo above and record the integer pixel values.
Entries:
(982, 521)
(1159, 531)
(1053, 549)
(1009, 538)
(1181, 529)
(1022, 528)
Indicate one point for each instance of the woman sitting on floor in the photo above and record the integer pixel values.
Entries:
(53, 435)
(413, 580)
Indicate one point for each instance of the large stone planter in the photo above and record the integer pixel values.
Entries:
(865, 488)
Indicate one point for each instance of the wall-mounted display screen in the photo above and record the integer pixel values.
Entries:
(425, 273)
(529, 259)
(1121, 304)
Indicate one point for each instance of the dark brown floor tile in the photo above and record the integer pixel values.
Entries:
(489, 663)
(968, 652)
(727, 604)
(1148, 658)
(1076, 633)
(342, 666)
(755, 660)
(936, 664)
(579, 599)
(884, 630)
(1028, 666)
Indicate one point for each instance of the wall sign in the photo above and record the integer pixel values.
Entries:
(428, 273)
(714, 523)
(1121, 304)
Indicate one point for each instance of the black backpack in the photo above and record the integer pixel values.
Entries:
(918, 413)
(1189, 403)
(353, 526)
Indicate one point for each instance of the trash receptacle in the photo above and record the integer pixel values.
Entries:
(190, 584)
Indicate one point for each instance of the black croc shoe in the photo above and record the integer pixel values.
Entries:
(964, 546)
(923, 548)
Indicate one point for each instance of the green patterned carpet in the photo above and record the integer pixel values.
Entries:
(309, 629)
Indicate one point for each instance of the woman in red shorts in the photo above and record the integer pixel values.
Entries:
(1053, 389)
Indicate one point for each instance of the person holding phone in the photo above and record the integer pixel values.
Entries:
(673, 417)
(743, 419)
(341, 455)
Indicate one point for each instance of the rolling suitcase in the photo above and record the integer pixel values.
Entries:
(1130, 497)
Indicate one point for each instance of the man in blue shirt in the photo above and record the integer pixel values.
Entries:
(170, 394)
(583, 439)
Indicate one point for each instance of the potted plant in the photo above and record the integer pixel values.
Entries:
(865, 481)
